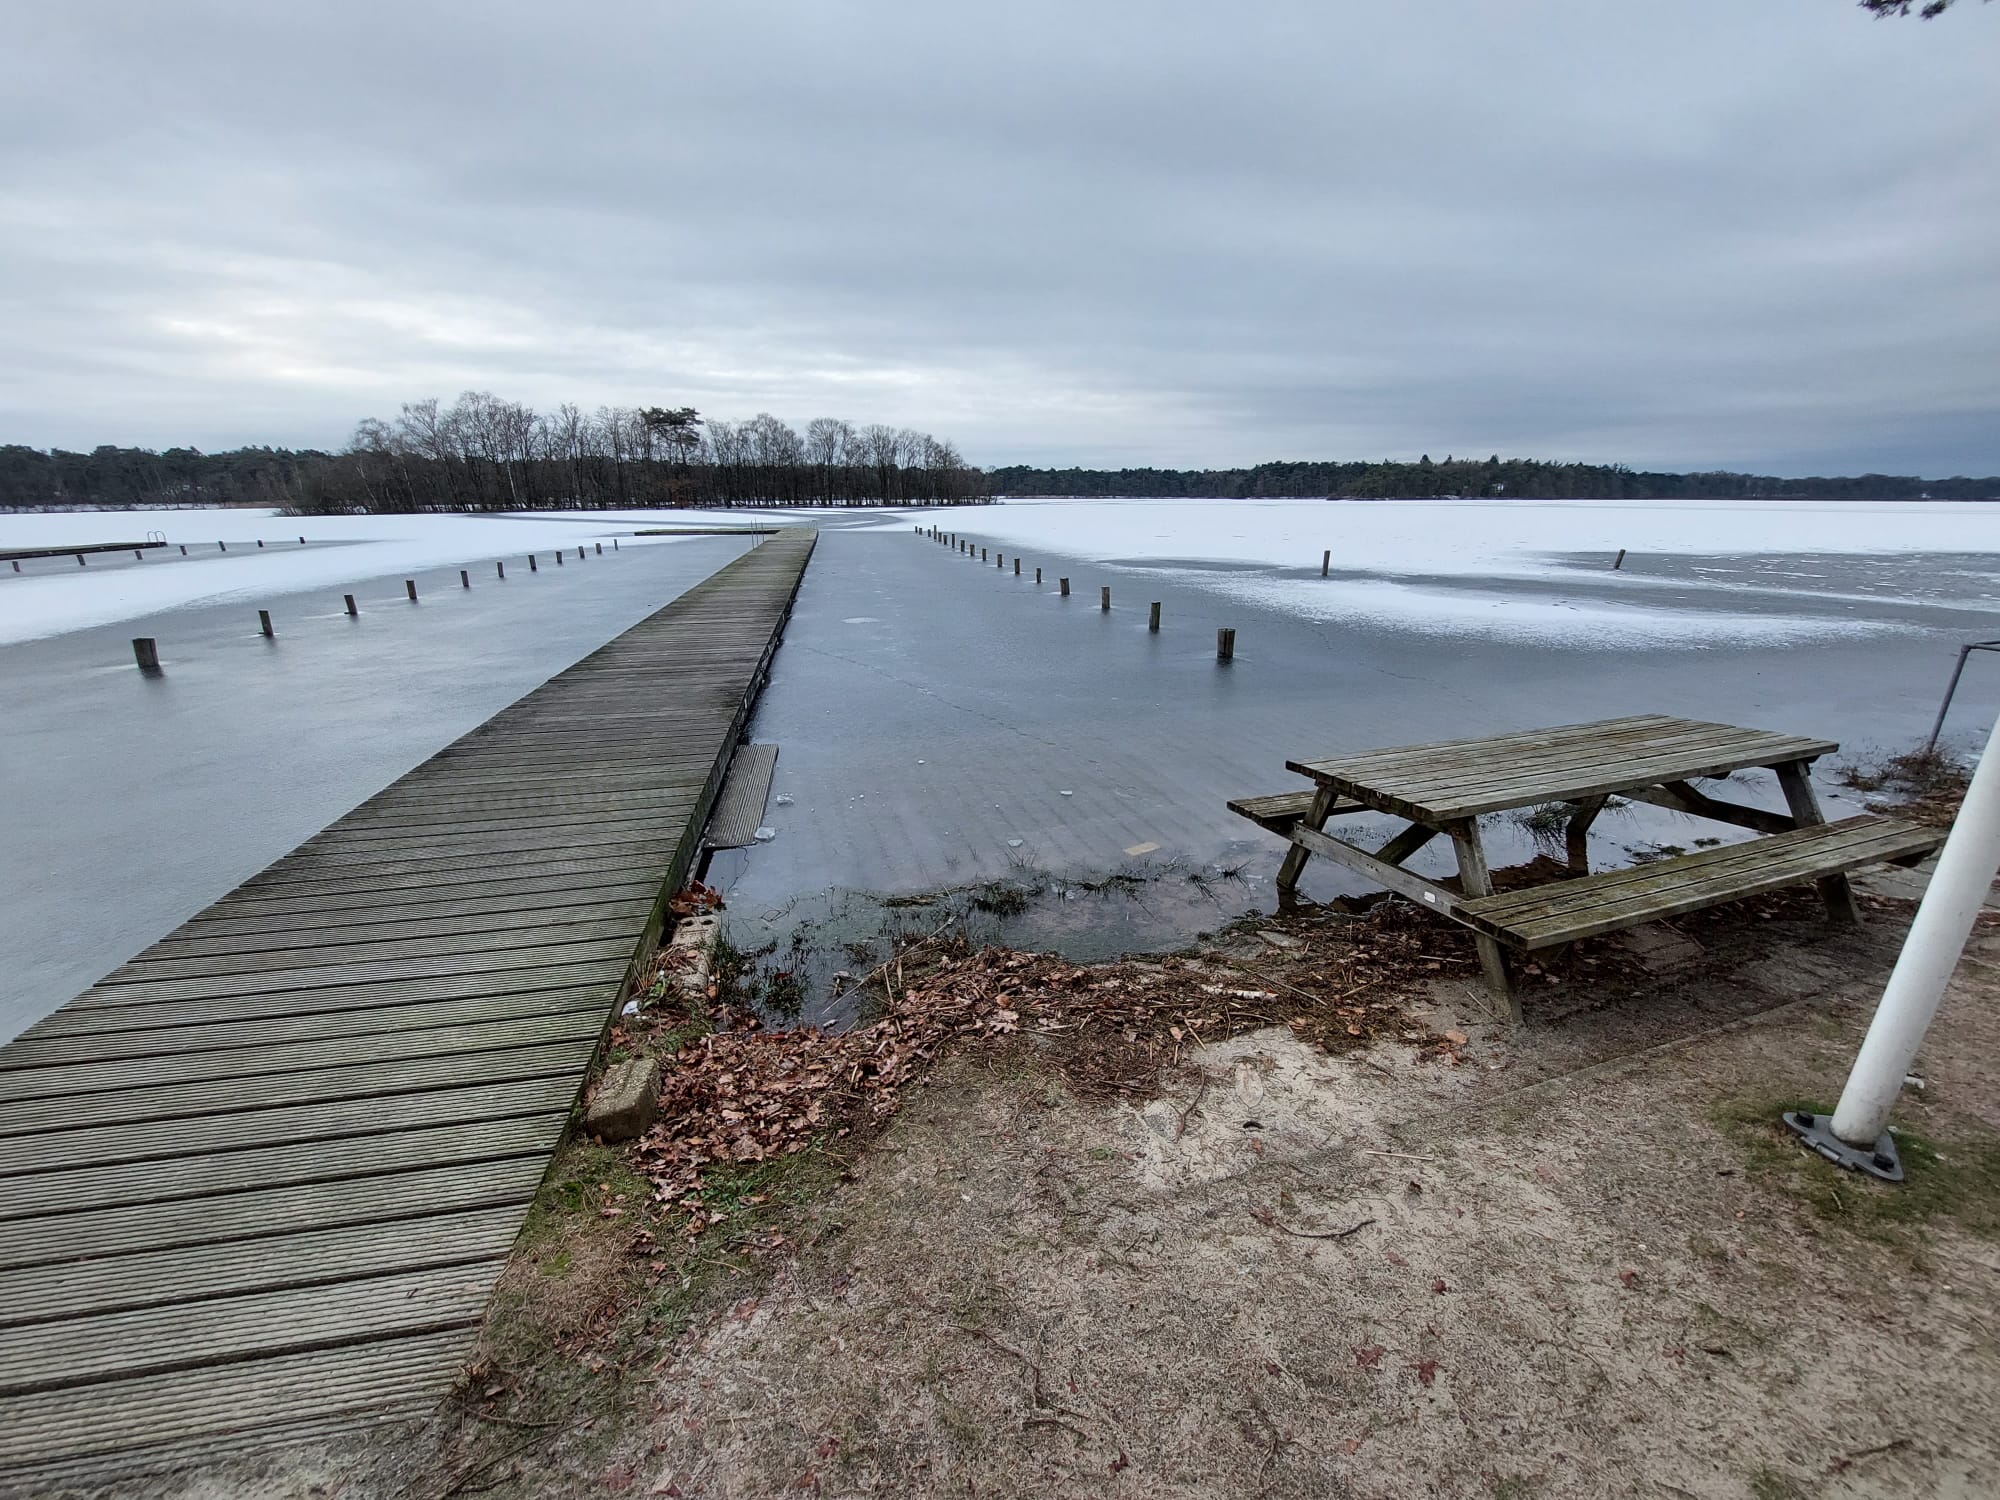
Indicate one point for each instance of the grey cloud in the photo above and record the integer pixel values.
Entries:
(1701, 234)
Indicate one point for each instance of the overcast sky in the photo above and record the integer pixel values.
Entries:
(1701, 233)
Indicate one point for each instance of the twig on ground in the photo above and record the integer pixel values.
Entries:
(1847, 1460)
(1402, 1155)
(1188, 1113)
(1307, 1234)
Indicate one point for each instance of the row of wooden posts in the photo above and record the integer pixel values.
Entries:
(1225, 638)
(139, 555)
(146, 649)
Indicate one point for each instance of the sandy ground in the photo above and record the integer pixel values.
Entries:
(1581, 1260)
(1582, 1289)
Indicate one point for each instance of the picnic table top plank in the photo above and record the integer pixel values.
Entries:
(1445, 783)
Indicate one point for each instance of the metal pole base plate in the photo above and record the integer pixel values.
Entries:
(1880, 1160)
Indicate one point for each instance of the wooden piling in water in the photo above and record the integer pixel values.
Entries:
(499, 570)
(1017, 565)
(614, 544)
(600, 549)
(559, 557)
(264, 624)
(260, 544)
(982, 554)
(222, 546)
(533, 567)
(348, 600)
(1104, 597)
(579, 553)
(17, 565)
(1065, 586)
(80, 562)
(184, 549)
(137, 555)
(464, 579)
(1153, 616)
(1620, 563)
(146, 652)
(411, 585)
(1225, 643)
(1325, 562)
(1038, 575)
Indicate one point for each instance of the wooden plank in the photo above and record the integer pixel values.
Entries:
(151, 1414)
(485, 919)
(1422, 891)
(739, 809)
(77, 1080)
(313, 1257)
(98, 1233)
(309, 976)
(152, 1341)
(163, 1140)
(227, 1170)
(1864, 830)
(172, 1101)
(493, 898)
(1279, 812)
(35, 1051)
(1671, 887)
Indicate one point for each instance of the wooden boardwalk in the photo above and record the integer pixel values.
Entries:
(266, 1173)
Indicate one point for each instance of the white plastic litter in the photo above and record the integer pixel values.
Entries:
(1013, 843)
(783, 799)
(765, 835)
(631, 1008)
(1066, 794)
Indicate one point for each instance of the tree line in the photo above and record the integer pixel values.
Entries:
(1513, 478)
(483, 453)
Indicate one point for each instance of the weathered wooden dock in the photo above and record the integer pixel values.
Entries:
(264, 1175)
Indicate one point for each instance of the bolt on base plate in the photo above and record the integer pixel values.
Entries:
(1816, 1131)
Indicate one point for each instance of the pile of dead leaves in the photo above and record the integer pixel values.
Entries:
(743, 1094)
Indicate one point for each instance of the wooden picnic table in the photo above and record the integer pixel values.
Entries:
(1443, 789)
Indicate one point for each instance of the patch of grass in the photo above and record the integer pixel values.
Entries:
(584, 1180)
(1927, 784)
(1958, 1181)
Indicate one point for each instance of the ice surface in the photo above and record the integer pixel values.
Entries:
(1417, 552)
(340, 549)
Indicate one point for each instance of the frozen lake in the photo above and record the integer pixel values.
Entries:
(941, 723)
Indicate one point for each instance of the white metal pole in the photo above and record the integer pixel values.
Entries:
(1951, 903)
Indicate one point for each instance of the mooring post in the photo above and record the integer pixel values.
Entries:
(614, 544)
(579, 553)
(532, 566)
(1064, 582)
(146, 652)
(982, 554)
(499, 570)
(348, 600)
(137, 555)
(1325, 562)
(600, 549)
(17, 565)
(1225, 643)
(1017, 565)
(411, 585)
(464, 579)
(264, 624)
(184, 549)
(222, 546)
(260, 544)
(1038, 575)
(79, 560)
(302, 541)
(1104, 597)
(559, 557)
(1620, 562)
(1153, 616)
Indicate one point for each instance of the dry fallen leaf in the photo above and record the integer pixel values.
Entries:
(1370, 1356)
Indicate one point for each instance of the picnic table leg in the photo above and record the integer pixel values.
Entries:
(1473, 880)
(1576, 837)
(1795, 778)
(1296, 856)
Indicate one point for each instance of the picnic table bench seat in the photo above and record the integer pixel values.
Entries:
(1546, 916)
(1280, 812)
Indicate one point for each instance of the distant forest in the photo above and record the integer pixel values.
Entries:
(484, 453)
(1511, 478)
